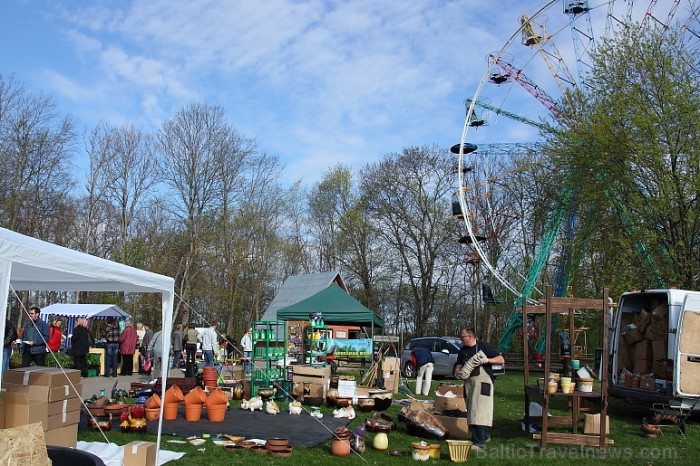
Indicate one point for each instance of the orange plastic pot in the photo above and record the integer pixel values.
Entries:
(174, 395)
(153, 401)
(153, 414)
(195, 396)
(216, 413)
(170, 411)
(217, 398)
(193, 412)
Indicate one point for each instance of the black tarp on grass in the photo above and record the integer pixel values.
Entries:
(302, 430)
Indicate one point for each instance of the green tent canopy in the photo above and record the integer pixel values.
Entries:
(337, 307)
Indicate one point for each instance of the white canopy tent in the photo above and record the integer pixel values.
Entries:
(91, 311)
(30, 264)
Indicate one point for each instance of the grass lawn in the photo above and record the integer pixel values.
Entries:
(509, 444)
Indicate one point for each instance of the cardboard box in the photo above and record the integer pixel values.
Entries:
(140, 454)
(660, 368)
(642, 366)
(444, 403)
(421, 404)
(66, 436)
(658, 330)
(647, 383)
(391, 381)
(346, 388)
(591, 424)
(46, 376)
(391, 364)
(658, 349)
(2, 413)
(20, 411)
(44, 393)
(63, 406)
(62, 420)
(456, 389)
(623, 358)
(458, 427)
(632, 335)
(642, 350)
(310, 374)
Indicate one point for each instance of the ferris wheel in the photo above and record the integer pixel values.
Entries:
(507, 235)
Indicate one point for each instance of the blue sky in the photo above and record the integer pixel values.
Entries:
(314, 82)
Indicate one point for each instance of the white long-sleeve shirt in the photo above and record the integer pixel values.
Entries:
(208, 339)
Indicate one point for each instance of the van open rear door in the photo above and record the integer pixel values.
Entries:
(686, 376)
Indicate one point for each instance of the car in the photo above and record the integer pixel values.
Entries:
(444, 351)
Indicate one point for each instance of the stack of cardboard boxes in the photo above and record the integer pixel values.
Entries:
(643, 357)
(449, 400)
(318, 379)
(391, 373)
(43, 394)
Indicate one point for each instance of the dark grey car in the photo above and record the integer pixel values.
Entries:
(444, 350)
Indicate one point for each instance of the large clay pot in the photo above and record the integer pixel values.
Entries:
(152, 414)
(217, 397)
(216, 413)
(195, 396)
(170, 411)
(193, 412)
(174, 395)
(340, 447)
(153, 401)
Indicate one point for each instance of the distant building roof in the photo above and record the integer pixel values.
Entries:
(299, 287)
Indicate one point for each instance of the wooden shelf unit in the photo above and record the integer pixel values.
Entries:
(551, 305)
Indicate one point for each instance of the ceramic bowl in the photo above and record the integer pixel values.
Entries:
(260, 449)
(343, 402)
(313, 401)
(366, 404)
(277, 441)
(287, 452)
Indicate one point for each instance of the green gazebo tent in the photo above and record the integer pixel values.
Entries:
(337, 307)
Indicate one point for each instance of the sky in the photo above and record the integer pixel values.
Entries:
(316, 83)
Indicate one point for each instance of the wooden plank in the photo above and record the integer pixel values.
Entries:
(573, 439)
(564, 304)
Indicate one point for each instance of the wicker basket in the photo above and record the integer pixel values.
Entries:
(459, 450)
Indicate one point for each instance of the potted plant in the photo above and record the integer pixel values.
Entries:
(93, 363)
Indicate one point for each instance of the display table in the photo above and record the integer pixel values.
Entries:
(101, 352)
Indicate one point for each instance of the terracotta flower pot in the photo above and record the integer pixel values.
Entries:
(340, 447)
(216, 413)
(193, 412)
(174, 395)
(217, 398)
(195, 396)
(170, 411)
(152, 414)
(153, 401)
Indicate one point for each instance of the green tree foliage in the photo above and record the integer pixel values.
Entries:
(628, 147)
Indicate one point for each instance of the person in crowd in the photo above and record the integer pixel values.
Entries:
(35, 334)
(473, 365)
(140, 332)
(176, 342)
(247, 348)
(423, 361)
(143, 348)
(208, 340)
(7, 342)
(111, 336)
(127, 347)
(155, 349)
(56, 336)
(191, 337)
(81, 340)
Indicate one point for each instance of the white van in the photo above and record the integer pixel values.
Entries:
(655, 348)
